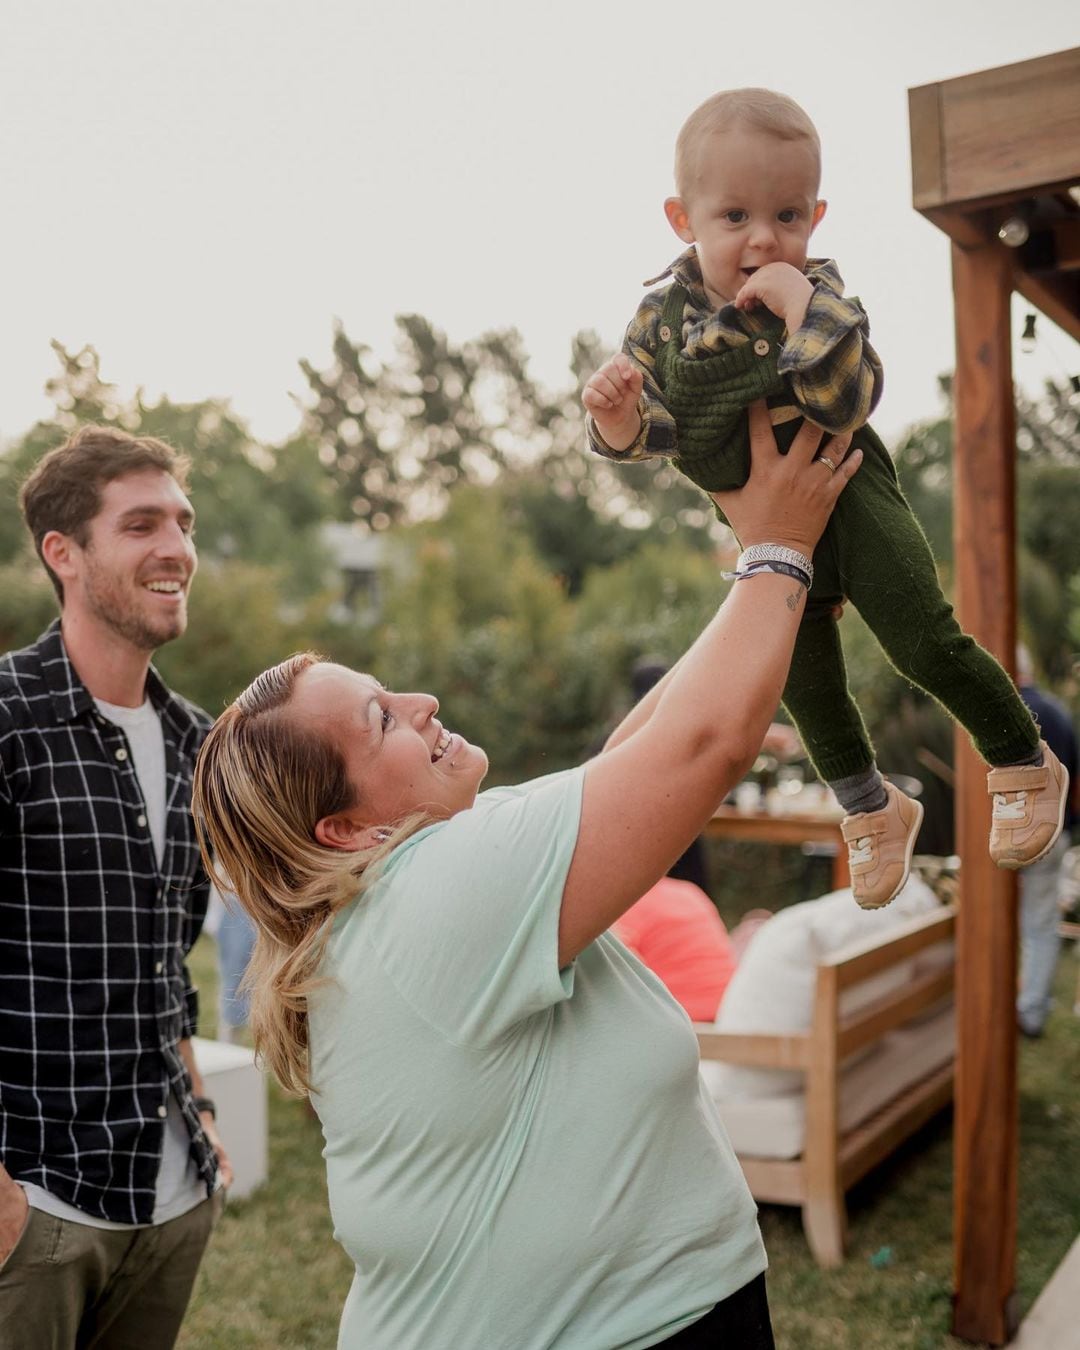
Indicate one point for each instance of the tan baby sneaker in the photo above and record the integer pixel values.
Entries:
(1029, 809)
(880, 845)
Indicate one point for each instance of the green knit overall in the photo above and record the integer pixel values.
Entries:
(873, 552)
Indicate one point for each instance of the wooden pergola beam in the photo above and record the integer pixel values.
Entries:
(1056, 293)
(1008, 131)
(1065, 244)
(985, 147)
(1057, 296)
(985, 1132)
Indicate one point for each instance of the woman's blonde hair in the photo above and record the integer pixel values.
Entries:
(761, 109)
(261, 785)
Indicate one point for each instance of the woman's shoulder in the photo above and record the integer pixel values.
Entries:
(472, 841)
(561, 779)
(454, 901)
(515, 811)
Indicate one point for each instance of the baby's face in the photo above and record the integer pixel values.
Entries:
(752, 200)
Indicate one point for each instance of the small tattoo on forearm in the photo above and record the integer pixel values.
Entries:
(793, 599)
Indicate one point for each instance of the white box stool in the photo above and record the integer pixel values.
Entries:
(238, 1090)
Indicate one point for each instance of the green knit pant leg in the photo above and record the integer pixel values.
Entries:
(887, 571)
(817, 697)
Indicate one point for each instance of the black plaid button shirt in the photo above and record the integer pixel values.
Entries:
(94, 991)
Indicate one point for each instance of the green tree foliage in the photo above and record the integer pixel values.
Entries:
(1048, 507)
(237, 627)
(399, 436)
(27, 603)
(473, 613)
(532, 672)
(924, 467)
(655, 602)
(255, 503)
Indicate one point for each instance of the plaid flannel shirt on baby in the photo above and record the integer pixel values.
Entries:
(834, 374)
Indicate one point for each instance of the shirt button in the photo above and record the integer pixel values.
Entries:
(140, 820)
(761, 347)
(665, 333)
(163, 1111)
(158, 967)
(121, 754)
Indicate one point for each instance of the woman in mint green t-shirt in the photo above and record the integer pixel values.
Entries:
(519, 1152)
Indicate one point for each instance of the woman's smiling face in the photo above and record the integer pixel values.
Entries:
(399, 757)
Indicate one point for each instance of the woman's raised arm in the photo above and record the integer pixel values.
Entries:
(696, 733)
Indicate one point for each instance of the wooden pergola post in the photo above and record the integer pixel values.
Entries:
(1000, 145)
(985, 1128)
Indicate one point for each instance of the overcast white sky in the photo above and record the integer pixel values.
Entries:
(199, 187)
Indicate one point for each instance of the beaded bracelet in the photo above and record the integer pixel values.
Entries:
(787, 569)
(774, 553)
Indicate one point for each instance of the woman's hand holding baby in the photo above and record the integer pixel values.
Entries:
(788, 498)
(611, 396)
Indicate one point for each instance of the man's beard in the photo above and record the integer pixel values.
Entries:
(108, 607)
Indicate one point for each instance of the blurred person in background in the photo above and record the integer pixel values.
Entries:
(1042, 884)
(227, 922)
(676, 931)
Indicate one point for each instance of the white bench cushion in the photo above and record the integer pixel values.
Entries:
(774, 1126)
(772, 990)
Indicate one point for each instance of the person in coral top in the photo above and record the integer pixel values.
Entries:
(674, 929)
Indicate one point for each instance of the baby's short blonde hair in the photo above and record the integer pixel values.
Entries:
(762, 110)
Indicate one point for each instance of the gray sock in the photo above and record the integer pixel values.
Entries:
(1034, 759)
(860, 791)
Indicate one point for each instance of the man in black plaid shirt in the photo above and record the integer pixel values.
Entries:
(111, 1166)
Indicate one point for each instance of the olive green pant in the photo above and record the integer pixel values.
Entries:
(874, 553)
(68, 1286)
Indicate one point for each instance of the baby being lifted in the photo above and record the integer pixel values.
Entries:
(747, 315)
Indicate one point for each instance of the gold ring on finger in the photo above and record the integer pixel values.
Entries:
(824, 459)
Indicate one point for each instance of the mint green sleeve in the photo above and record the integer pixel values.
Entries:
(465, 920)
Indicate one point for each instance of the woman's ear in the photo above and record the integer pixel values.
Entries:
(346, 833)
(679, 219)
(819, 215)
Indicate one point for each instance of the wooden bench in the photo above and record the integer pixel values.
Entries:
(832, 1161)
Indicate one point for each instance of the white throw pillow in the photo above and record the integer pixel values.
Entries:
(772, 989)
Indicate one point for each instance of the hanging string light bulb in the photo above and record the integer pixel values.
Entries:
(1028, 342)
(1014, 231)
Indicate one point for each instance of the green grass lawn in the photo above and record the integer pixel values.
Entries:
(274, 1279)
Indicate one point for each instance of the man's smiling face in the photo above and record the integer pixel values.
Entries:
(135, 569)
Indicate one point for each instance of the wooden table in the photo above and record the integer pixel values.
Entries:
(761, 827)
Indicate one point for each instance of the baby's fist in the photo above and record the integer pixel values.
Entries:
(616, 382)
(611, 396)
